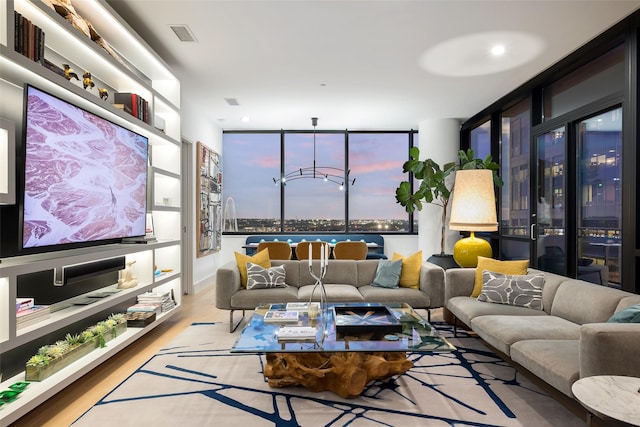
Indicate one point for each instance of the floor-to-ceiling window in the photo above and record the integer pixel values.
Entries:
(264, 181)
(568, 201)
(599, 195)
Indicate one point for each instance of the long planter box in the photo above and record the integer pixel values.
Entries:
(39, 373)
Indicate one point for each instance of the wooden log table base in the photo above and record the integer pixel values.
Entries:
(344, 373)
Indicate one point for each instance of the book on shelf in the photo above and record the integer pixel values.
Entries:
(164, 299)
(30, 315)
(134, 104)
(23, 303)
(301, 307)
(279, 316)
(152, 308)
(294, 333)
(28, 38)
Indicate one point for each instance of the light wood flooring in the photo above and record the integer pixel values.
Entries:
(77, 398)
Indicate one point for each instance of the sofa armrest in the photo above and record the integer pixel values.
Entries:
(432, 283)
(458, 282)
(227, 284)
(609, 349)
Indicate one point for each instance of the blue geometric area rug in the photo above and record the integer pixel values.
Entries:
(196, 381)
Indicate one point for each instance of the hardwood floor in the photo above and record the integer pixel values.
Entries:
(77, 398)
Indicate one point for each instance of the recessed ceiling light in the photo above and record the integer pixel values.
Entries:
(498, 50)
(245, 119)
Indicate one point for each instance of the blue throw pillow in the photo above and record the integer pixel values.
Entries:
(630, 314)
(388, 274)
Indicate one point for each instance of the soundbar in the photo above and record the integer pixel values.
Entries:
(75, 273)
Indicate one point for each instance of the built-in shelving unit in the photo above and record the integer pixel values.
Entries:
(139, 71)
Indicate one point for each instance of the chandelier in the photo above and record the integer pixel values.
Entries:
(325, 173)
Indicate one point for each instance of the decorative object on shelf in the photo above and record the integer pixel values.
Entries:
(87, 81)
(69, 73)
(209, 201)
(104, 95)
(65, 9)
(327, 173)
(52, 358)
(473, 208)
(437, 184)
(127, 279)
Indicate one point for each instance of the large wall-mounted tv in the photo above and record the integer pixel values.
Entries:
(85, 177)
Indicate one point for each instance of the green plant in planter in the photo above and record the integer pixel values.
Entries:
(436, 184)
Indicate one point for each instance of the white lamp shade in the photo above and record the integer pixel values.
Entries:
(473, 207)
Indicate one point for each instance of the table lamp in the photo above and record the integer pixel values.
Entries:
(473, 208)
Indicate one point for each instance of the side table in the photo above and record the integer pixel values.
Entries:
(608, 396)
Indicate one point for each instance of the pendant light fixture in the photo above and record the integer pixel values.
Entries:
(325, 173)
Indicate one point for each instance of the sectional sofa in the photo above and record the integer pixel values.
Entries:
(345, 281)
(568, 339)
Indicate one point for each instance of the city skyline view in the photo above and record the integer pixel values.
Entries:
(251, 162)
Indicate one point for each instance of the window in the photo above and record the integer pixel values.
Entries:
(481, 140)
(376, 159)
(255, 161)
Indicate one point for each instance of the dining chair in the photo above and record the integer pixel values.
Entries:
(302, 249)
(277, 250)
(350, 250)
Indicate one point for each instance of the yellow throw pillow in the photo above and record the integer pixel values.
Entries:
(261, 258)
(410, 273)
(518, 267)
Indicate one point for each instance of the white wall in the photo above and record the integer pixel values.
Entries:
(439, 140)
(196, 126)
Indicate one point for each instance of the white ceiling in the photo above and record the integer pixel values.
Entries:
(360, 64)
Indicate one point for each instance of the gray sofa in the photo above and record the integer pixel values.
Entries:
(345, 281)
(567, 340)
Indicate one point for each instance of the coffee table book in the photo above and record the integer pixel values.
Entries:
(297, 333)
(279, 316)
(301, 307)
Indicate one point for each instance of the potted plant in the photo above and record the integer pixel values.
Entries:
(436, 187)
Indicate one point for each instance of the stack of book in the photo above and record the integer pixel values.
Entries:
(133, 104)
(27, 313)
(164, 299)
(145, 307)
(28, 38)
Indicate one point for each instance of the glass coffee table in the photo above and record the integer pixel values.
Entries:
(344, 355)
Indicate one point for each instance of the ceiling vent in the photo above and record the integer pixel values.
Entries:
(232, 101)
(183, 33)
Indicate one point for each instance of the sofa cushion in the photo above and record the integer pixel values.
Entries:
(261, 258)
(410, 274)
(367, 269)
(339, 271)
(265, 278)
(505, 267)
(581, 302)
(387, 274)
(335, 293)
(628, 315)
(466, 308)
(554, 361)
(502, 331)
(413, 297)
(523, 291)
(250, 299)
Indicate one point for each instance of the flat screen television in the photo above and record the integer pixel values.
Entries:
(85, 177)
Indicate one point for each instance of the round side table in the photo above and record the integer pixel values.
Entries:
(608, 396)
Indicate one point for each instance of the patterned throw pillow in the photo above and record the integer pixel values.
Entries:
(519, 267)
(523, 291)
(263, 278)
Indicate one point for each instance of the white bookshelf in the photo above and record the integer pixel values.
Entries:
(144, 74)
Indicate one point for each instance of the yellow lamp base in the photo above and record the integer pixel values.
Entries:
(466, 251)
